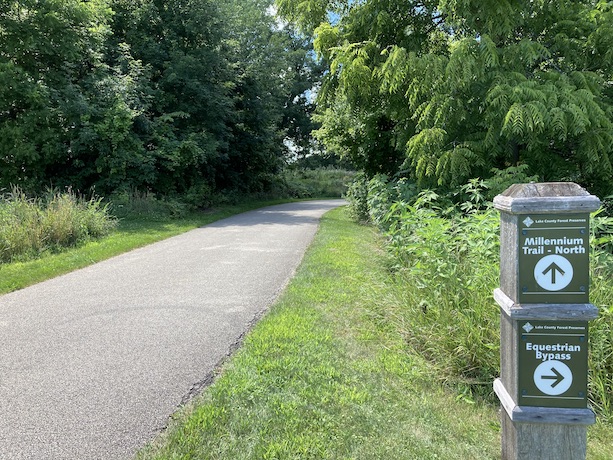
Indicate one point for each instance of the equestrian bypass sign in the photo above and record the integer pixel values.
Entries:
(552, 362)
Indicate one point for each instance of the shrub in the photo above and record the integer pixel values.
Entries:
(30, 226)
(145, 205)
(445, 259)
(357, 197)
(325, 182)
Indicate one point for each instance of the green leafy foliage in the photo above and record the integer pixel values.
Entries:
(357, 196)
(316, 183)
(29, 227)
(178, 98)
(444, 252)
(466, 86)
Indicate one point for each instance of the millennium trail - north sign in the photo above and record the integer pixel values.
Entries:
(554, 258)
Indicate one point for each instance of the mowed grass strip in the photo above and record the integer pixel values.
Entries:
(322, 377)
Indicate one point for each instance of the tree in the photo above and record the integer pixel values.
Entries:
(69, 115)
(276, 69)
(47, 48)
(219, 80)
(181, 97)
(465, 86)
(186, 90)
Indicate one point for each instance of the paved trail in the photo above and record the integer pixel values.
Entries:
(93, 363)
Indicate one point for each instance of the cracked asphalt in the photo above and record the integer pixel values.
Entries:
(93, 363)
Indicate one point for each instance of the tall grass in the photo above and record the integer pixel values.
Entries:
(445, 259)
(31, 226)
(446, 271)
(601, 330)
(138, 204)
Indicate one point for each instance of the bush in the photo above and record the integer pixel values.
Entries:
(30, 226)
(316, 183)
(145, 205)
(445, 259)
(357, 197)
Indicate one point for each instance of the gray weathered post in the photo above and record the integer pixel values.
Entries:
(545, 309)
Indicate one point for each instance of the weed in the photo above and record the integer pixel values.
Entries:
(357, 195)
(445, 260)
(31, 226)
(138, 204)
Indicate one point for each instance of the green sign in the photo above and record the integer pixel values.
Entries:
(552, 363)
(554, 258)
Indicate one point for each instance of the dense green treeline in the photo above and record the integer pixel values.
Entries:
(176, 97)
(192, 97)
(442, 91)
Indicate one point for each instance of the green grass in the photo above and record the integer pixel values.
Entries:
(325, 376)
(318, 379)
(131, 233)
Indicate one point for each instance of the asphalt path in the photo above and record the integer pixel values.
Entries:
(93, 363)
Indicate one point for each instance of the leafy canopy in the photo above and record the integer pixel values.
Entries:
(445, 90)
(187, 97)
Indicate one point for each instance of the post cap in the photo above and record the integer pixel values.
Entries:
(546, 198)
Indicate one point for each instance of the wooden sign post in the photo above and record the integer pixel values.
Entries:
(545, 309)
